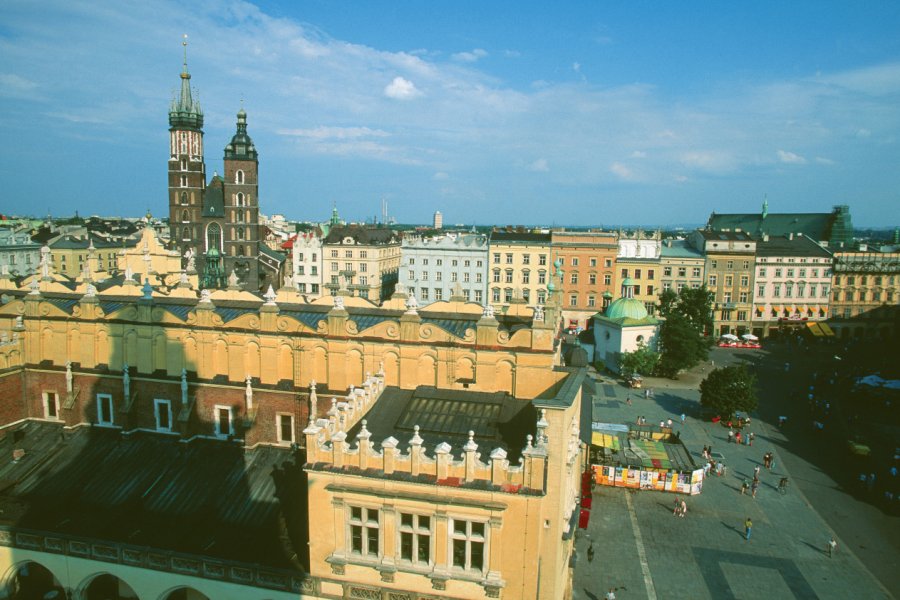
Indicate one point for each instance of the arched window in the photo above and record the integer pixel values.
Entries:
(240, 251)
(214, 237)
(185, 216)
(233, 251)
(186, 233)
(240, 233)
(184, 199)
(239, 177)
(240, 199)
(240, 216)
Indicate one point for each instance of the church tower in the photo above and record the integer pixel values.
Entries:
(240, 191)
(187, 172)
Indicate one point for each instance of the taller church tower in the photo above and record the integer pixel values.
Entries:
(187, 171)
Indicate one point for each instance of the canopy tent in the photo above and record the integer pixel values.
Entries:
(730, 337)
(750, 337)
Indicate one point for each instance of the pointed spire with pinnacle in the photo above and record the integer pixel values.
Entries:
(185, 112)
(765, 210)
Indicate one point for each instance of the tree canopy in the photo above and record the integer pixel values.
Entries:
(687, 314)
(642, 361)
(694, 305)
(728, 390)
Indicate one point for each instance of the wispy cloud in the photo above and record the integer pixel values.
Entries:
(470, 56)
(790, 158)
(539, 166)
(334, 133)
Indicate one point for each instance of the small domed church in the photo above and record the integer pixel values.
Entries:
(622, 327)
(214, 226)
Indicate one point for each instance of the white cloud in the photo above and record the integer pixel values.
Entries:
(576, 67)
(824, 161)
(334, 133)
(440, 176)
(13, 84)
(539, 166)
(621, 170)
(790, 158)
(471, 56)
(638, 154)
(401, 89)
(863, 133)
(512, 53)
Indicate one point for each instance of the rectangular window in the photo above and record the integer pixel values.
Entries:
(454, 276)
(51, 405)
(348, 253)
(334, 254)
(509, 258)
(712, 281)
(746, 264)
(526, 259)
(468, 263)
(637, 273)
(363, 280)
(495, 295)
(412, 276)
(424, 294)
(777, 273)
(542, 259)
(542, 277)
(415, 538)
(508, 295)
(624, 273)
(592, 301)
(284, 423)
(468, 539)
(729, 280)
(592, 279)
(496, 258)
(425, 261)
(104, 409)
(573, 300)
(651, 274)
(412, 261)
(788, 290)
(790, 272)
(742, 315)
(439, 276)
(776, 290)
(439, 262)
(667, 271)
(714, 264)
(742, 297)
(364, 531)
(364, 267)
(224, 420)
(424, 275)
(607, 280)
(479, 264)
(726, 297)
(695, 272)
(607, 262)
(574, 278)
(438, 294)
(465, 277)
(745, 280)
(509, 277)
(496, 275)
(760, 290)
(729, 265)
(301, 287)
(162, 410)
(479, 296)
(526, 295)
(334, 266)
(314, 287)
(363, 254)
(314, 270)
(526, 276)
(574, 261)
(478, 278)
(649, 290)
(454, 263)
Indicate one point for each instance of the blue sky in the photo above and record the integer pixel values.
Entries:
(597, 113)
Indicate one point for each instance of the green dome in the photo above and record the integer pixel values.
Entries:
(626, 308)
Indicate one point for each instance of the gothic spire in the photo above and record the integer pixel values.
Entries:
(185, 112)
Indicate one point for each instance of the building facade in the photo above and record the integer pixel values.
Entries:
(449, 265)
(19, 256)
(307, 264)
(362, 260)
(792, 284)
(588, 260)
(70, 254)
(520, 268)
(682, 266)
(639, 260)
(730, 261)
(865, 296)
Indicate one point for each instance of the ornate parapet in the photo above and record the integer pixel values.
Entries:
(328, 450)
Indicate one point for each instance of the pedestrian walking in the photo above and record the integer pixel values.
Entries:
(754, 488)
(677, 506)
(832, 547)
(683, 508)
(750, 438)
(669, 423)
(590, 552)
(748, 528)
(737, 438)
(628, 400)
(683, 417)
(730, 435)
(611, 594)
(745, 485)
(756, 472)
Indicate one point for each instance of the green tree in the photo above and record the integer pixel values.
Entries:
(642, 361)
(728, 390)
(681, 345)
(695, 305)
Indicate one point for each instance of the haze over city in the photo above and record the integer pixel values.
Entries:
(590, 113)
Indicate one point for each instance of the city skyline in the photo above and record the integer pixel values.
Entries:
(495, 114)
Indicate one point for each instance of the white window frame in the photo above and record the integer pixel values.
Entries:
(419, 535)
(468, 537)
(112, 412)
(216, 414)
(365, 523)
(157, 403)
(279, 436)
(47, 398)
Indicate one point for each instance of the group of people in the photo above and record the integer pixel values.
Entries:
(680, 507)
(741, 438)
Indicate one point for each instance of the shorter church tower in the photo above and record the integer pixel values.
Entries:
(241, 205)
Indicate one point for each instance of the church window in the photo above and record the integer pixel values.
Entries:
(184, 198)
(104, 409)
(183, 181)
(224, 421)
(239, 177)
(185, 216)
(240, 200)
(186, 233)
(240, 233)
(241, 250)
(213, 237)
(184, 164)
(240, 216)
